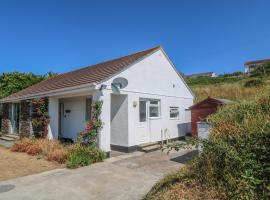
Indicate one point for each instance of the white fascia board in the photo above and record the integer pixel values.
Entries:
(58, 92)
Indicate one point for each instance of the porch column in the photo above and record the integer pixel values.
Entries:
(104, 139)
(24, 119)
(5, 128)
(53, 108)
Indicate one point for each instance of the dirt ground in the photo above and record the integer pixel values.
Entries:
(13, 164)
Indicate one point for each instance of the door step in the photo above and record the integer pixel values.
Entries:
(9, 137)
(149, 147)
(16, 137)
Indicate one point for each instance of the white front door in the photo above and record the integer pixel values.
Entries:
(73, 117)
(15, 109)
(144, 121)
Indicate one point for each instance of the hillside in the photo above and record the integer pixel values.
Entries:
(229, 87)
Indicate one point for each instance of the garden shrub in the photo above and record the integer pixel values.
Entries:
(83, 155)
(238, 152)
(58, 155)
(253, 83)
(236, 157)
(22, 145)
(49, 149)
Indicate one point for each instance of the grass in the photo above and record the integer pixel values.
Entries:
(182, 185)
(15, 164)
(229, 88)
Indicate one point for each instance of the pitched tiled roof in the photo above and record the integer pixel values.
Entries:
(87, 75)
(211, 100)
(257, 62)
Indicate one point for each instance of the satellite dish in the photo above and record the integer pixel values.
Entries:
(119, 83)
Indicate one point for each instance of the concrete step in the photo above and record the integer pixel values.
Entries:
(16, 137)
(147, 144)
(151, 148)
(7, 138)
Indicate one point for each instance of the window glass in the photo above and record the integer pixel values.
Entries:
(174, 112)
(88, 109)
(142, 107)
(154, 108)
(154, 102)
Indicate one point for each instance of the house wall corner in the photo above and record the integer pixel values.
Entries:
(5, 127)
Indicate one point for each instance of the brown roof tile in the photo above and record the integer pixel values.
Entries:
(257, 62)
(87, 75)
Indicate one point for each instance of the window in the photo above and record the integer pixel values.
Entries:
(154, 108)
(174, 113)
(142, 107)
(88, 109)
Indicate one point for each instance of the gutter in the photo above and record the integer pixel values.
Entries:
(49, 93)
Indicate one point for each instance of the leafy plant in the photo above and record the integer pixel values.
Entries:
(40, 117)
(15, 81)
(253, 83)
(261, 70)
(83, 155)
(90, 135)
(236, 157)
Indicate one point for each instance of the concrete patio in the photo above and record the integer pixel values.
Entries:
(126, 176)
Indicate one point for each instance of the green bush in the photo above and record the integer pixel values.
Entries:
(236, 157)
(212, 80)
(83, 155)
(261, 70)
(253, 83)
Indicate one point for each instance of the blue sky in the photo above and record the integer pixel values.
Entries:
(198, 35)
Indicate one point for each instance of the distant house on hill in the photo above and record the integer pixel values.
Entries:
(251, 65)
(206, 74)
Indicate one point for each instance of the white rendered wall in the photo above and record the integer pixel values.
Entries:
(119, 120)
(176, 127)
(154, 77)
(53, 114)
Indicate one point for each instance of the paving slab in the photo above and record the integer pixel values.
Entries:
(127, 176)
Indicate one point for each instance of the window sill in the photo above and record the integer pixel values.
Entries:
(174, 118)
(154, 118)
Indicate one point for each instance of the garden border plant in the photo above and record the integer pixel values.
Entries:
(236, 157)
(86, 151)
(83, 153)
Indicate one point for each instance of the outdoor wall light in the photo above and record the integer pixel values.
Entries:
(135, 104)
(67, 111)
(102, 87)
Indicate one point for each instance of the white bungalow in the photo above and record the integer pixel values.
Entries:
(143, 97)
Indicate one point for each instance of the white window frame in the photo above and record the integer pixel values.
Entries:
(158, 105)
(143, 100)
(174, 107)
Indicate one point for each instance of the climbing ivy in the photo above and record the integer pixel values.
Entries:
(40, 117)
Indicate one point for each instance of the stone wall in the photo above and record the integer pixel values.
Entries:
(5, 129)
(25, 127)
